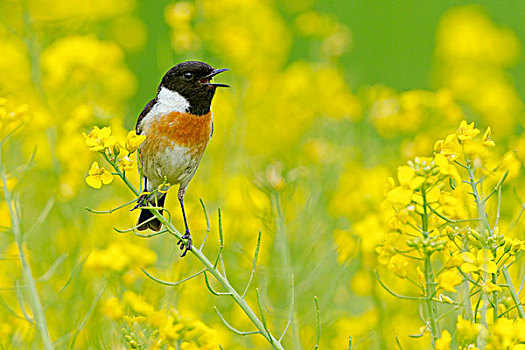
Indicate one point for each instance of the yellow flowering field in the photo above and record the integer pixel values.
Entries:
(336, 207)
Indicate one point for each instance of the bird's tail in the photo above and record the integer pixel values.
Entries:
(146, 217)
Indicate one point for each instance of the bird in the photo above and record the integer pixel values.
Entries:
(178, 124)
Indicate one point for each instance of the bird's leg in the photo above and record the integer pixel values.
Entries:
(142, 198)
(184, 246)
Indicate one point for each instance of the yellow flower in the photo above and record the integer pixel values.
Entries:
(466, 331)
(445, 168)
(449, 147)
(489, 287)
(399, 265)
(99, 139)
(408, 181)
(133, 141)
(98, 176)
(443, 343)
(486, 141)
(466, 131)
(514, 245)
(113, 308)
(454, 261)
(448, 280)
(407, 177)
(127, 163)
(400, 195)
(137, 303)
(507, 333)
(484, 261)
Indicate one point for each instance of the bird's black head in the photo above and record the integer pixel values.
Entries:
(192, 80)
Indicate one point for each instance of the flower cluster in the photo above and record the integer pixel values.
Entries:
(431, 220)
(144, 327)
(120, 153)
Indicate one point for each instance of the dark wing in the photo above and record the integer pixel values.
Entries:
(144, 112)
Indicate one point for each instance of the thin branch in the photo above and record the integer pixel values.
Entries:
(171, 284)
(498, 210)
(450, 220)
(254, 264)
(34, 297)
(41, 217)
(395, 294)
(221, 240)
(261, 311)
(207, 223)
(513, 293)
(21, 303)
(231, 328)
(47, 275)
(497, 187)
(109, 211)
(150, 234)
(290, 309)
(82, 323)
(318, 336)
(213, 291)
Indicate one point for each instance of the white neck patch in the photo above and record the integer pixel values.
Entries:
(171, 101)
(167, 102)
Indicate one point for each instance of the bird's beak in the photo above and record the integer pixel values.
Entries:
(206, 80)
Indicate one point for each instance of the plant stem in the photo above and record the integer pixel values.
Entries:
(513, 293)
(211, 269)
(465, 289)
(480, 204)
(485, 233)
(429, 274)
(429, 288)
(36, 304)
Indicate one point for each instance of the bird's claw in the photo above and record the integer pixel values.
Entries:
(140, 202)
(185, 246)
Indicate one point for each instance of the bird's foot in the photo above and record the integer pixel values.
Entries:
(185, 246)
(140, 201)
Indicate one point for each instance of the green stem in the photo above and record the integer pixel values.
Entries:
(230, 290)
(36, 304)
(513, 293)
(283, 249)
(429, 280)
(465, 289)
(495, 299)
(480, 204)
(429, 274)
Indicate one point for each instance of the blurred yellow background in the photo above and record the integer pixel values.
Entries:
(327, 100)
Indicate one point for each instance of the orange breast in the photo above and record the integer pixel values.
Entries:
(184, 129)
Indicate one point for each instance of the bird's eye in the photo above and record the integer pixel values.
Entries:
(188, 75)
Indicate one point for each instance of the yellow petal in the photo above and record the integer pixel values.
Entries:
(104, 133)
(433, 194)
(469, 267)
(110, 142)
(106, 177)
(94, 181)
(442, 163)
(484, 255)
(468, 257)
(486, 141)
(400, 195)
(417, 182)
(489, 266)
(490, 287)
(405, 175)
(94, 169)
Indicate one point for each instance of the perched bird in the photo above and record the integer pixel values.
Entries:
(178, 124)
